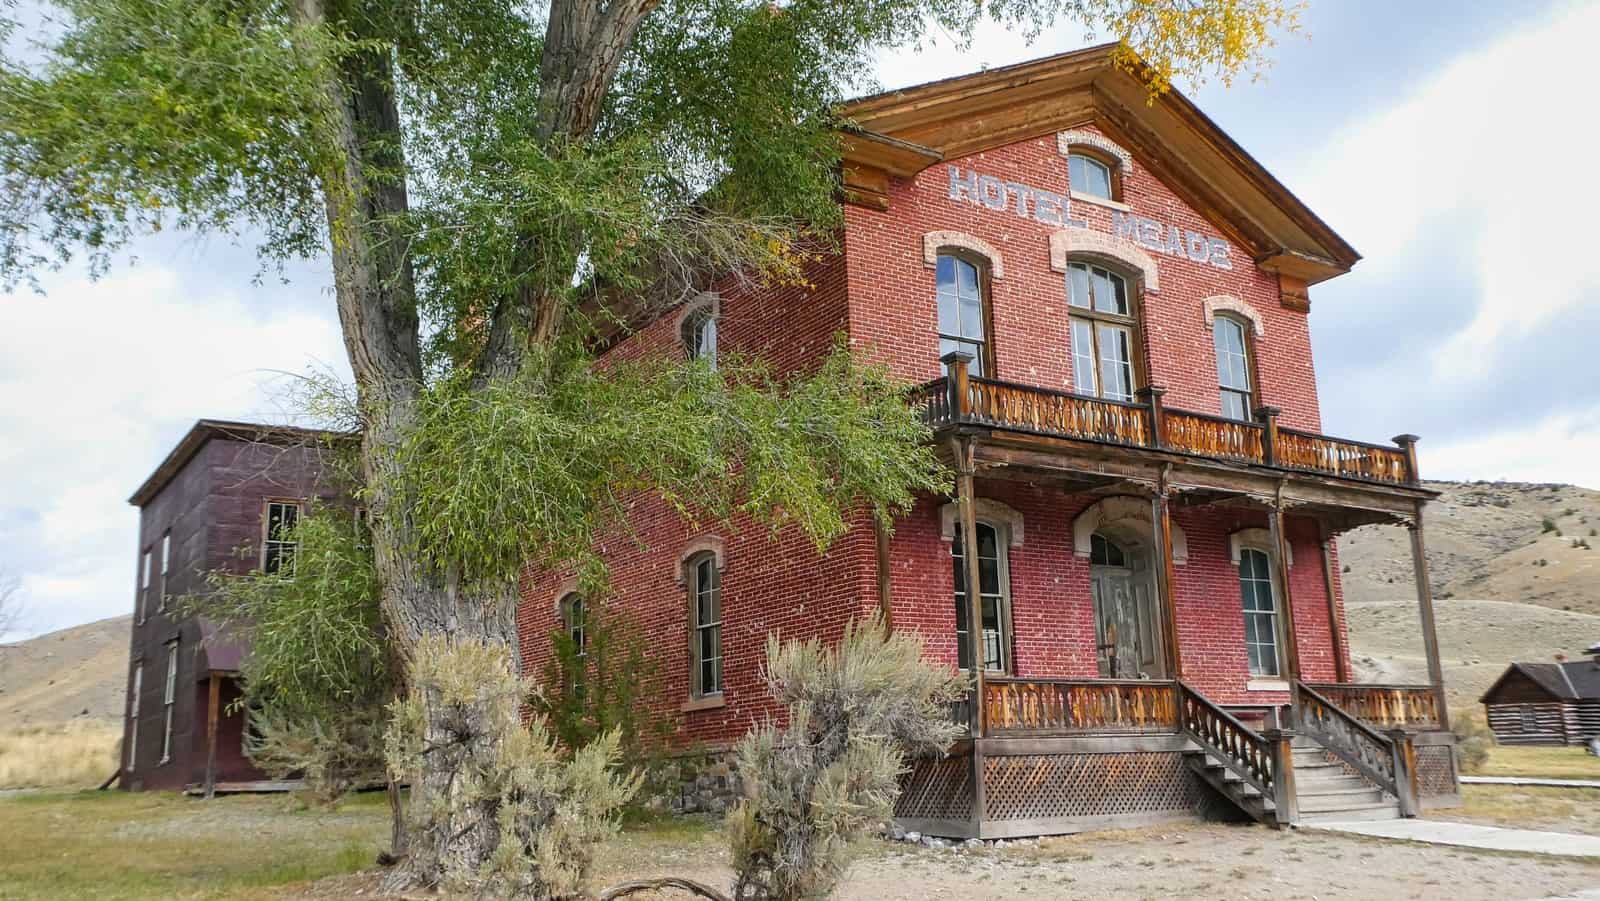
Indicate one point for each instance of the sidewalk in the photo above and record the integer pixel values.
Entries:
(1468, 835)
(1530, 780)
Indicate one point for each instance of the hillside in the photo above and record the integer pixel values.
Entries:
(1513, 575)
(72, 673)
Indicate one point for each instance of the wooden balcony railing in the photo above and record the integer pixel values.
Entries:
(1238, 747)
(1381, 707)
(963, 399)
(1051, 707)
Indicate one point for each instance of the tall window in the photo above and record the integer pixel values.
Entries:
(133, 714)
(962, 317)
(278, 549)
(705, 633)
(1233, 366)
(144, 585)
(168, 699)
(575, 619)
(1090, 177)
(700, 335)
(166, 566)
(1102, 332)
(992, 597)
(1260, 611)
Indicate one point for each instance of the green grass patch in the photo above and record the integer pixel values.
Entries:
(1545, 762)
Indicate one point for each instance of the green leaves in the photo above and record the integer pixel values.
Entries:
(531, 472)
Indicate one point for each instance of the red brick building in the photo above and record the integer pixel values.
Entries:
(1106, 301)
(223, 499)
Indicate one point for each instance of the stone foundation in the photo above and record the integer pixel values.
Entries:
(694, 782)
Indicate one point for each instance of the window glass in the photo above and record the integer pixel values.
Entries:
(278, 556)
(700, 336)
(961, 314)
(1089, 176)
(991, 596)
(133, 715)
(1105, 552)
(1260, 611)
(1083, 369)
(169, 698)
(1233, 367)
(705, 592)
(1116, 363)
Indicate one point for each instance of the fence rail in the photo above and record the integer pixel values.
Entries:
(1413, 707)
(1050, 707)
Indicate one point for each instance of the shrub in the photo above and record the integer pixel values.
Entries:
(334, 752)
(855, 710)
(1473, 740)
(498, 810)
(610, 686)
(1547, 525)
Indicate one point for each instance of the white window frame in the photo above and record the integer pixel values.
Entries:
(1002, 602)
(133, 714)
(1273, 616)
(1219, 326)
(169, 699)
(266, 534)
(1082, 190)
(145, 558)
(166, 567)
(698, 331)
(705, 562)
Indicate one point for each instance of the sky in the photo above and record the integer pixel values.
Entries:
(1450, 142)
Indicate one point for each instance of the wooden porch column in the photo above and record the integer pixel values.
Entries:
(965, 492)
(1430, 637)
(213, 701)
(1340, 668)
(880, 533)
(1279, 540)
(1161, 526)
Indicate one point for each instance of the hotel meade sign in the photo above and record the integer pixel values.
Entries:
(1053, 209)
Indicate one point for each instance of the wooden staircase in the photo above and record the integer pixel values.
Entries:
(1328, 791)
(1230, 785)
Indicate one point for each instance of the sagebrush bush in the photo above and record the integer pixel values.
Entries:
(1473, 740)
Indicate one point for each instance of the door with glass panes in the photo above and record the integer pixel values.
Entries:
(993, 595)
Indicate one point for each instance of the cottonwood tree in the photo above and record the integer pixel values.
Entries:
(497, 183)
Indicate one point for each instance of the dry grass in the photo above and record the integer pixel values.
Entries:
(1549, 763)
(74, 754)
(1529, 807)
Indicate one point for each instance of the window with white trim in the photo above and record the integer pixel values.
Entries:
(1103, 332)
(277, 554)
(133, 714)
(166, 567)
(1091, 176)
(1233, 366)
(169, 699)
(963, 312)
(144, 585)
(700, 334)
(1260, 611)
(992, 594)
(705, 625)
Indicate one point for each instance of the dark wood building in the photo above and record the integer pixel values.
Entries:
(1554, 703)
(219, 501)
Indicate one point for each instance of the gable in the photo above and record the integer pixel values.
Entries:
(1518, 684)
(902, 133)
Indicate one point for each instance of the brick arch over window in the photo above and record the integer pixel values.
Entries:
(989, 511)
(711, 544)
(1124, 513)
(1260, 539)
(935, 241)
(1079, 243)
(706, 301)
(1067, 140)
(565, 591)
(1227, 303)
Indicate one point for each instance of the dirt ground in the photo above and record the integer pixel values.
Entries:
(1197, 861)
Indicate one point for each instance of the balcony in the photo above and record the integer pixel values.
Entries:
(962, 400)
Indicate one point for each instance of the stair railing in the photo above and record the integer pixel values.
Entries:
(1386, 760)
(1254, 758)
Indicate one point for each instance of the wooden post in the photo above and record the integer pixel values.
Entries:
(1151, 395)
(1166, 588)
(1341, 668)
(1405, 772)
(1430, 636)
(966, 505)
(1269, 434)
(1408, 443)
(1279, 540)
(213, 701)
(1285, 804)
(958, 379)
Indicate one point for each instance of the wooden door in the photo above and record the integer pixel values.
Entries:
(1126, 633)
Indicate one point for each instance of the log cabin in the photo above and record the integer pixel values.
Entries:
(1104, 302)
(226, 498)
(1555, 703)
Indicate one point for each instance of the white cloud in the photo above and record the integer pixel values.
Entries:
(1562, 448)
(1497, 152)
(97, 381)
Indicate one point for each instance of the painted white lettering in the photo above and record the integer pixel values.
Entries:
(1047, 207)
(1125, 226)
(963, 187)
(1174, 243)
(1021, 193)
(1219, 254)
(992, 191)
(1150, 233)
(1199, 248)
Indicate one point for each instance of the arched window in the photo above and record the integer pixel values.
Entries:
(994, 596)
(1233, 367)
(963, 312)
(574, 621)
(1091, 176)
(1260, 611)
(700, 334)
(704, 582)
(1103, 332)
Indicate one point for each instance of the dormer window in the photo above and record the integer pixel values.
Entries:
(700, 334)
(1091, 177)
(963, 314)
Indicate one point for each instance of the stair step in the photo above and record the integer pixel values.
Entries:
(1363, 813)
(1329, 783)
(1341, 801)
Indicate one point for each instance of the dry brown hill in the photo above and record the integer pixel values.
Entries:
(1515, 571)
(76, 672)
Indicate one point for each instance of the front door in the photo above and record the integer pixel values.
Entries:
(1127, 637)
